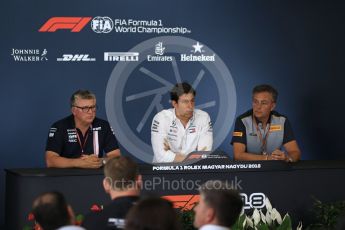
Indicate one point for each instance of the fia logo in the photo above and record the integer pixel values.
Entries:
(102, 24)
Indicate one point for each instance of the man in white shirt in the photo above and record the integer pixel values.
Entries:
(219, 206)
(182, 129)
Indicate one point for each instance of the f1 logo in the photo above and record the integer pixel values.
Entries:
(75, 24)
(184, 202)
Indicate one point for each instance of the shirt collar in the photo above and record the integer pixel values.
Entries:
(190, 120)
(257, 121)
(71, 122)
(213, 227)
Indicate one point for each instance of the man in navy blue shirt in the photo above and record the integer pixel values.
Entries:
(81, 140)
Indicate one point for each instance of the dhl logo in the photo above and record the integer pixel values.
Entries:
(183, 202)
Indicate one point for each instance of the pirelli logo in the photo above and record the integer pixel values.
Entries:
(275, 128)
(183, 202)
(237, 134)
(121, 56)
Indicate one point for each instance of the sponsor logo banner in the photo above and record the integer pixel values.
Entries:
(74, 24)
(29, 55)
(121, 56)
(102, 24)
(188, 201)
(76, 58)
(197, 55)
(159, 51)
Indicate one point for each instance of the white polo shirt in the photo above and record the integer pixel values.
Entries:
(166, 126)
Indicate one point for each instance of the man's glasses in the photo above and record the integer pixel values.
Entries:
(87, 109)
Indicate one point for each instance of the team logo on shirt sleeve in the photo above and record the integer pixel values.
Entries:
(210, 128)
(155, 125)
(237, 134)
(112, 130)
(52, 131)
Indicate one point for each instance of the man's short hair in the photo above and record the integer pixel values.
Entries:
(226, 202)
(50, 210)
(180, 89)
(81, 94)
(152, 213)
(266, 88)
(121, 172)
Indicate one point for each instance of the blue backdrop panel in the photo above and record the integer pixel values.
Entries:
(297, 46)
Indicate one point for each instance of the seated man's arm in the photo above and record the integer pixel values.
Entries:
(55, 143)
(111, 145)
(114, 153)
(54, 160)
(290, 144)
(179, 157)
(206, 136)
(160, 145)
(293, 152)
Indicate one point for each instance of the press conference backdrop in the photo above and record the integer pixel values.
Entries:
(130, 53)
